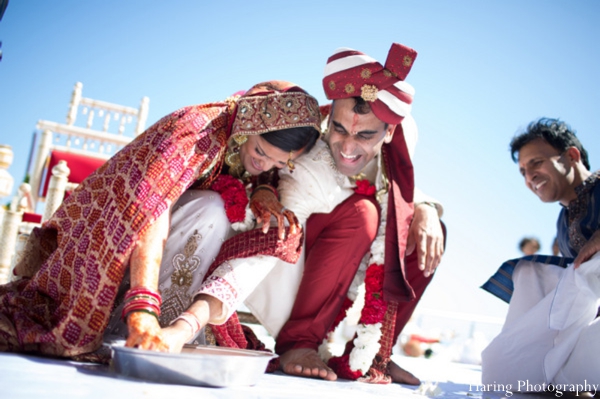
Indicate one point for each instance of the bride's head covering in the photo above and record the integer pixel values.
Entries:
(272, 106)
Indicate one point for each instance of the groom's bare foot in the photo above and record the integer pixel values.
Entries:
(402, 376)
(305, 362)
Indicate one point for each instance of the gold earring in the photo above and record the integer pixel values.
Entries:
(232, 158)
(290, 163)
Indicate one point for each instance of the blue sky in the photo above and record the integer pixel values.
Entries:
(485, 69)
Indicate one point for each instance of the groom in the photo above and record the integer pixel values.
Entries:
(365, 141)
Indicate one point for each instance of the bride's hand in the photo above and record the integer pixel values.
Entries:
(176, 335)
(145, 332)
(264, 204)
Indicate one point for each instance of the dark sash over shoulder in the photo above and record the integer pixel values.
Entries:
(501, 283)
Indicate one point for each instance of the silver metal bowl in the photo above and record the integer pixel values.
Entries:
(195, 365)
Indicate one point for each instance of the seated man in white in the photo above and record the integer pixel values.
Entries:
(552, 331)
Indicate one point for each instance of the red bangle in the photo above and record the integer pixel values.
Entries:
(137, 291)
(135, 304)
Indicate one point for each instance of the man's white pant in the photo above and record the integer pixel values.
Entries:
(550, 335)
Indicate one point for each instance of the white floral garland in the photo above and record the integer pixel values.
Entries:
(366, 344)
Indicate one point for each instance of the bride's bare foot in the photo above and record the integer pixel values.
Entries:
(402, 376)
(305, 362)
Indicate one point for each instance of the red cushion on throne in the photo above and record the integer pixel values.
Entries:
(32, 217)
(81, 166)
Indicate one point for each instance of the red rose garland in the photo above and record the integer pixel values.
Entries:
(341, 314)
(341, 366)
(234, 196)
(360, 353)
(364, 187)
(375, 307)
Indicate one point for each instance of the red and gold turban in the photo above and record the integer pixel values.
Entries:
(350, 73)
